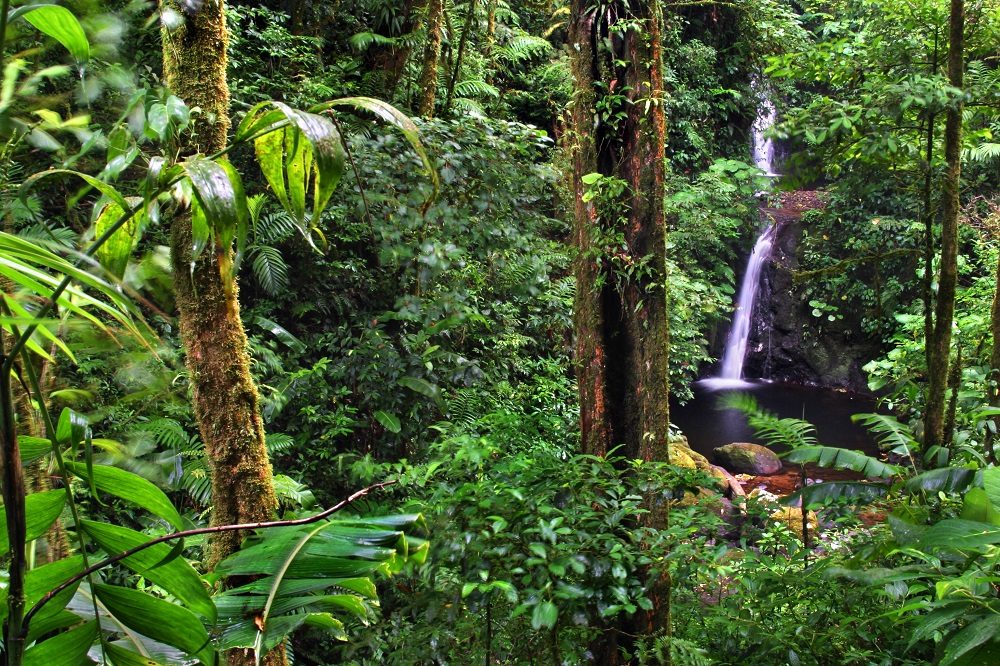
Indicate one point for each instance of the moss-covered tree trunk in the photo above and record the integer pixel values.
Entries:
(944, 307)
(225, 397)
(620, 317)
(385, 62)
(432, 57)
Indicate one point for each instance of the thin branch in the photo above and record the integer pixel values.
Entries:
(195, 532)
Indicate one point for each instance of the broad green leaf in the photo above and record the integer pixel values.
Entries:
(117, 249)
(43, 329)
(306, 575)
(104, 188)
(937, 619)
(831, 456)
(220, 198)
(61, 25)
(71, 427)
(304, 151)
(388, 421)
(991, 484)
(393, 116)
(818, 494)
(327, 148)
(33, 448)
(242, 229)
(47, 622)
(174, 575)
(41, 510)
(976, 506)
(544, 616)
(958, 534)
(158, 619)
(969, 638)
(130, 487)
(945, 480)
(119, 656)
(421, 386)
(281, 334)
(66, 649)
(37, 584)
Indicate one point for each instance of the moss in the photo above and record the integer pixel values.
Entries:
(225, 398)
(432, 54)
(742, 457)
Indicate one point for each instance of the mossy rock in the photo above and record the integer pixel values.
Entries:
(682, 455)
(791, 516)
(745, 458)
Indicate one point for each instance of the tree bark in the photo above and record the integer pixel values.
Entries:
(620, 315)
(225, 397)
(432, 55)
(944, 307)
(386, 62)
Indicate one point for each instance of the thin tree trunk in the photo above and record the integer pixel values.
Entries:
(470, 19)
(991, 437)
(620, 315)
(432, 55)
(954, 385)
(225, 397)
(944, 310)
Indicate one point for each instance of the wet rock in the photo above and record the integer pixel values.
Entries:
(682, 455)
(731, 486)
(742, 457)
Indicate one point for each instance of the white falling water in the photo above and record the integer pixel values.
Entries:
(763, 146)
(735, 353)
(739, 335)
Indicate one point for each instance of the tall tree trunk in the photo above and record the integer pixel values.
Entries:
(620, 316)
(225, 397)
(386, 62)
(991, 438)
(944, 307)
(432, 55)
(927, 213)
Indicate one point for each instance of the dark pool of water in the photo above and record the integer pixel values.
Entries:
(707, 426)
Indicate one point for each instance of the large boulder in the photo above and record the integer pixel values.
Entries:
(744, 458)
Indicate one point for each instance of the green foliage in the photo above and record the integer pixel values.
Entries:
(543, 547)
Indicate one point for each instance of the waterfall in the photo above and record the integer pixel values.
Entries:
(735, 352)
(763, 146)
(736, 345)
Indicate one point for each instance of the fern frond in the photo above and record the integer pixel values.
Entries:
(469, 106)
(278, 442)
(790, 433)
(270, 269)
(274, 228)
(476, 88)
